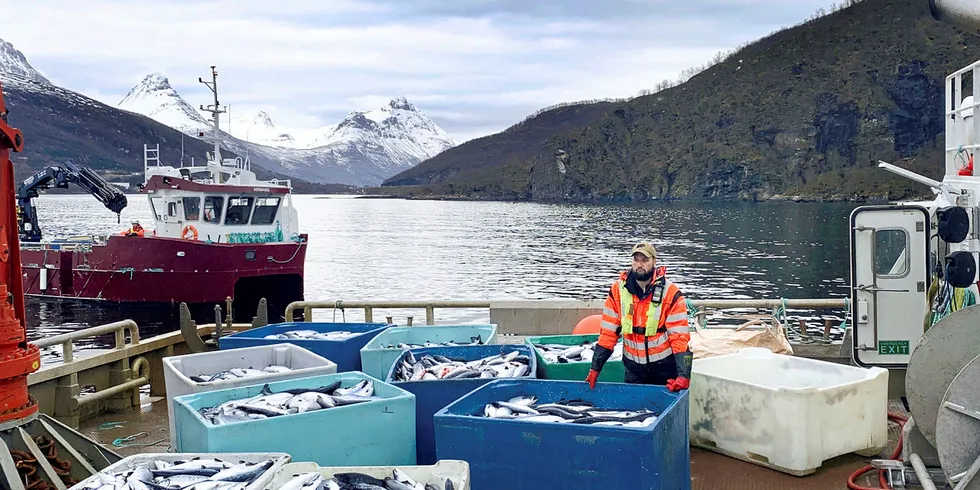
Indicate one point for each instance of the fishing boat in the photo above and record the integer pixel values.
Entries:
(218, 232)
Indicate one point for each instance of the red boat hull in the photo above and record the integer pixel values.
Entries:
(165, 270)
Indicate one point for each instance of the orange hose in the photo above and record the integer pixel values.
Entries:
(881, 473)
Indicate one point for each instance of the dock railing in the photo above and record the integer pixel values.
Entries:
(698, 309)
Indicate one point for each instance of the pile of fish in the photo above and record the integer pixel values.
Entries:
(195, 474)
(478, 340)
(431, 367)
(562, 354)
(526, 408)
(238, 373)
(312, 335)
(298, 400)
(359, 481)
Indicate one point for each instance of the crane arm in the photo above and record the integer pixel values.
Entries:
(59, 176)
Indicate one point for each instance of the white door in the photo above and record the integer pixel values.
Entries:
(889, 274)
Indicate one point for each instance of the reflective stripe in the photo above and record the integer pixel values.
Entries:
(606, 325)
(679, 330)
(610, 313)
(676, 317)
(654, 356)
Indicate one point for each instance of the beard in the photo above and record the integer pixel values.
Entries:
(642, 276)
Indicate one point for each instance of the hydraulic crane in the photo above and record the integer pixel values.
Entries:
(60, 176)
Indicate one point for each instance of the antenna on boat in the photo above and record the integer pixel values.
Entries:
(213, 85)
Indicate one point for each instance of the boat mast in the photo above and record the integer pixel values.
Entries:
(213, 85)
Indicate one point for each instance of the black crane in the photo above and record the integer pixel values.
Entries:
(59, 176)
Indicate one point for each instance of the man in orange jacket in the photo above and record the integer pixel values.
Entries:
(650, 313)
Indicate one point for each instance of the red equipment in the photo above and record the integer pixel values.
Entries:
(17, 357)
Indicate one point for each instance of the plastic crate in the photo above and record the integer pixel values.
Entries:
(380, 432)
(612, 371)
(457, 471)
(344, 353)
(178, 369)
(146, 459)
(535, 455)
(766, 408)
(376, 360)
(433, 395)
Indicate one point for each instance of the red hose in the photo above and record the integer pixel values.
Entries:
(881, 473)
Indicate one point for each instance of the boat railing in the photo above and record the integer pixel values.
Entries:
(137, 372)
(697, 309)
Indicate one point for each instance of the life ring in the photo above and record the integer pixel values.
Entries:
(192, 230)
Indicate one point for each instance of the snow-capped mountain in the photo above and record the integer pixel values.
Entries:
(13, 62)
(363, 149)
(154, 97)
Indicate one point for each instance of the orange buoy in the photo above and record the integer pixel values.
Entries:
(588, 325)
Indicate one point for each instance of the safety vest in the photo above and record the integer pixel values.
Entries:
(626, 307)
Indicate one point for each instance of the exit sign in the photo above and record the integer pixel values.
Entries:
(893, 347)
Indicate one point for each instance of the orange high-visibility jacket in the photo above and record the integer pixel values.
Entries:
(652, 339)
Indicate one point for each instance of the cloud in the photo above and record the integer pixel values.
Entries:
(475, 66)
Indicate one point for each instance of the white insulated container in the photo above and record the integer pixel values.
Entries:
(456, 470)
(786, 413)
(146, 459)
(177, 370)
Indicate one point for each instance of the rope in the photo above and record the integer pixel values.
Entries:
(780, 313)
(847, 313)
(121, 442)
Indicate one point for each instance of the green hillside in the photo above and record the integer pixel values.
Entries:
(806, 112)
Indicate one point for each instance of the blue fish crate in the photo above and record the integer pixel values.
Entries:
(377, 358)
(372, 433)
(344, 353)
(534, 455)
(434, 395)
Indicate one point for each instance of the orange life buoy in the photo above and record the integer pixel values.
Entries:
(192, 230)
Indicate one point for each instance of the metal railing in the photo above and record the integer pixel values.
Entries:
(67, 340)
(701, 304)
(369, 306)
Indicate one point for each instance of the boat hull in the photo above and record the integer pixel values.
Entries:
(164, 270)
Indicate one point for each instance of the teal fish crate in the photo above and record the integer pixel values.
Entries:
(533, 455)
(377, 357)
(373, 433)
(344, 353)
(433, 395)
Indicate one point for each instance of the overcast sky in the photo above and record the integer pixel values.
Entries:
(473, 66)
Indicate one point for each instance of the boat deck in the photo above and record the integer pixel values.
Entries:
(709, 470)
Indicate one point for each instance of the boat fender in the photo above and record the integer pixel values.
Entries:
(189, 233)
(961, 268)
(954, 224)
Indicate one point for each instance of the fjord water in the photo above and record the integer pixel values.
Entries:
(395, 249)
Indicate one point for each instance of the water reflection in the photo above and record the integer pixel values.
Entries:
(379, 249)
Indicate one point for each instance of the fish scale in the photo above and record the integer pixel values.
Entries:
(562, 354)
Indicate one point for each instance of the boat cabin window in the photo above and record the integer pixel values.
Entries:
(891, 253)
(212, 209)
(157, 204)
(238, 211)
(171, 209)
(192, 208)
(265, 210)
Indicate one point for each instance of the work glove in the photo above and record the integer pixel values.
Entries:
(679, 383)
(592, 378)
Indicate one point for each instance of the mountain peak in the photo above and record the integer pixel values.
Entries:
(151, 83)
(401, 103)
(153, 96)
(13, 62)
(262, 118)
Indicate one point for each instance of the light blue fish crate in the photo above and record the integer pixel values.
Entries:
(377, 358)
(534, 455)
(344, 353)
(373, 433)
(433, 395)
